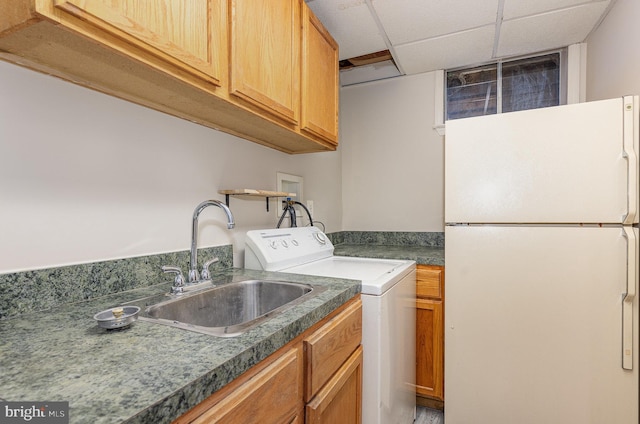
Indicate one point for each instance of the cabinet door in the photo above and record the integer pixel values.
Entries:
(265, 55)
(320, 80)
(274, 396)
(340, 400)
(188, 35)
(429, 348)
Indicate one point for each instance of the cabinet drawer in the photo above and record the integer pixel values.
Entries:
(340, 400)
(329, 347)
(428, 281)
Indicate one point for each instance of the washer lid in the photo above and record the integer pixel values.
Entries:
(377, 275)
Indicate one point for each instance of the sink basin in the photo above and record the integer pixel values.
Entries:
(230, 309)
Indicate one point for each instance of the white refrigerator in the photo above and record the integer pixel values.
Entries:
(541, 250)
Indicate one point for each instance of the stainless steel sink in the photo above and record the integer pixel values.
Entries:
(230, 309)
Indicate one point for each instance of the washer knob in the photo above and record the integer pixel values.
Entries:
(320, 238)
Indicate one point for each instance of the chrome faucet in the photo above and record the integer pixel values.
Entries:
(193, 261)
(193, 277)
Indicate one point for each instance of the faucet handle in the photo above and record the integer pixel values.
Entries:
(205, 269)
(178, 282)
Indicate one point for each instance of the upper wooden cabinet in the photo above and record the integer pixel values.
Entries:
(320, 79)
(232, 65)
(265, 55)
(189, 34)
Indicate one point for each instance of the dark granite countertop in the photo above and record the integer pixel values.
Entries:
(147, 373)
(423, 255)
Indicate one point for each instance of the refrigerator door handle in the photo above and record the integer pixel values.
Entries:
(630, 134)
(629, 297)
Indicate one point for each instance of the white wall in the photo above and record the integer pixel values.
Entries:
(392, 158)
(613, 58)
(87, 177)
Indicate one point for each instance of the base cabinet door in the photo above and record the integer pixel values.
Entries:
(340, 400)
(189, 36)
(429, 359)
(273, 391)
(430, 335)
(274, 396)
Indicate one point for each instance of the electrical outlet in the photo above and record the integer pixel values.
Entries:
(310, 207)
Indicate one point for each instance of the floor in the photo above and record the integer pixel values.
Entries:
(428, 416)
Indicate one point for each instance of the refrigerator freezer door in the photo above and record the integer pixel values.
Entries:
(533, 326)
(631, 150)
(564, 164)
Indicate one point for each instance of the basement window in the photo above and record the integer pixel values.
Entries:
(504, 86)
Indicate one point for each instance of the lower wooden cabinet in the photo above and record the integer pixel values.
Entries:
(429, 352)
(255, 400)
(430, 334)
(340, 400)
(334, 370)
(316, 378)
(330, 346)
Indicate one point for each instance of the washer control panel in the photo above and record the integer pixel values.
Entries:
(280, 248)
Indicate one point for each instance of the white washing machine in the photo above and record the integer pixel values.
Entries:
(388, 308)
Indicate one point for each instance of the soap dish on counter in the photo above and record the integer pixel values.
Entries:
(116, 318)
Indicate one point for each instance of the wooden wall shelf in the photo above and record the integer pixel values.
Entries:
(256, 193)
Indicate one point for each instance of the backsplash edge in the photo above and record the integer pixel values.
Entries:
(35, 290)
(388, 238)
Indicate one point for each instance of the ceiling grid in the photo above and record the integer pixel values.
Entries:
(425, 35)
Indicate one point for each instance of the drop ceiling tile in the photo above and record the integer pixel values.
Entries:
(411, 20)
(520, 8)
(451, 51)
(373, 72)
(350, 23)
(548, 30)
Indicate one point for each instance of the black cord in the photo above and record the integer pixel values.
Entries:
(307, 210)
(288, 207)
(285, 209)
